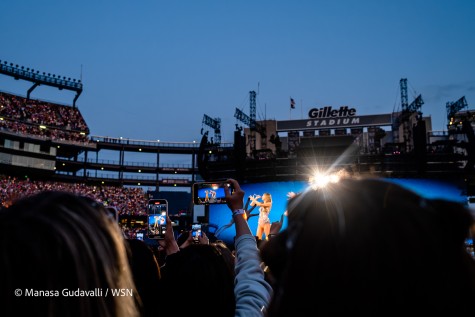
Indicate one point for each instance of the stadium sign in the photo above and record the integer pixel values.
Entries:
(329, 119)
(328, 112)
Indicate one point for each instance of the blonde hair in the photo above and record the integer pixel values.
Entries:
(74, 245)
(269, 196)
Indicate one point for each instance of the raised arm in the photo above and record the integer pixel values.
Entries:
(251, 290)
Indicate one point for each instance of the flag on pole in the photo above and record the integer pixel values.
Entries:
(292, 103)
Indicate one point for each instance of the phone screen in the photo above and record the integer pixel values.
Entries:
(157, 218)
(205, 193)
(196, 231)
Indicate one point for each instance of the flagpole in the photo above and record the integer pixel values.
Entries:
(292, 106)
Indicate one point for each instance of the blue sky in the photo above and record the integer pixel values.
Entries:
(152, 69)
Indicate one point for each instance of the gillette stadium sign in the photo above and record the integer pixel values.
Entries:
(328, 118)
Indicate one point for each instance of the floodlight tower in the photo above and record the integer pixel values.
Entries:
(407, 111)
(216, 125)
(461, 123)
(454, 107)
(251, 122)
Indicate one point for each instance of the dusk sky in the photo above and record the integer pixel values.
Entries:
(152, 69)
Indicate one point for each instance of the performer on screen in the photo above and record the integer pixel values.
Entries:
(159, 219)
(265, 206)
(212, 199)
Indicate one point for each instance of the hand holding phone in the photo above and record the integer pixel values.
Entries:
(207, 193)
(157, 210)
(196, 231)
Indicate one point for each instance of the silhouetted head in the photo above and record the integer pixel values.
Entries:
(146, 274)
(371, 247)
(56, 242)
(199, 281)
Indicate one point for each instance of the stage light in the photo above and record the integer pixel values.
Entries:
(320, 180)
(334, 178)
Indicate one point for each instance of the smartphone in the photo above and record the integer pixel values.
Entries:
(207, 193)
(196, 231)
(157, 210)
(140, 236)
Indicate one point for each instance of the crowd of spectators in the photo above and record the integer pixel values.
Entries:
(346, 242)
(58, 122)
(129, 202)
(126, 200)
(132, 232)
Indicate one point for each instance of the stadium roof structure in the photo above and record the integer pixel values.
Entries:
(34, 76)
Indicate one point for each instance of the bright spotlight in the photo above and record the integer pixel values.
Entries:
(334, 178)
(320, 180)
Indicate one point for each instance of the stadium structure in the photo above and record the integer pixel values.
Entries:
(45, 140)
